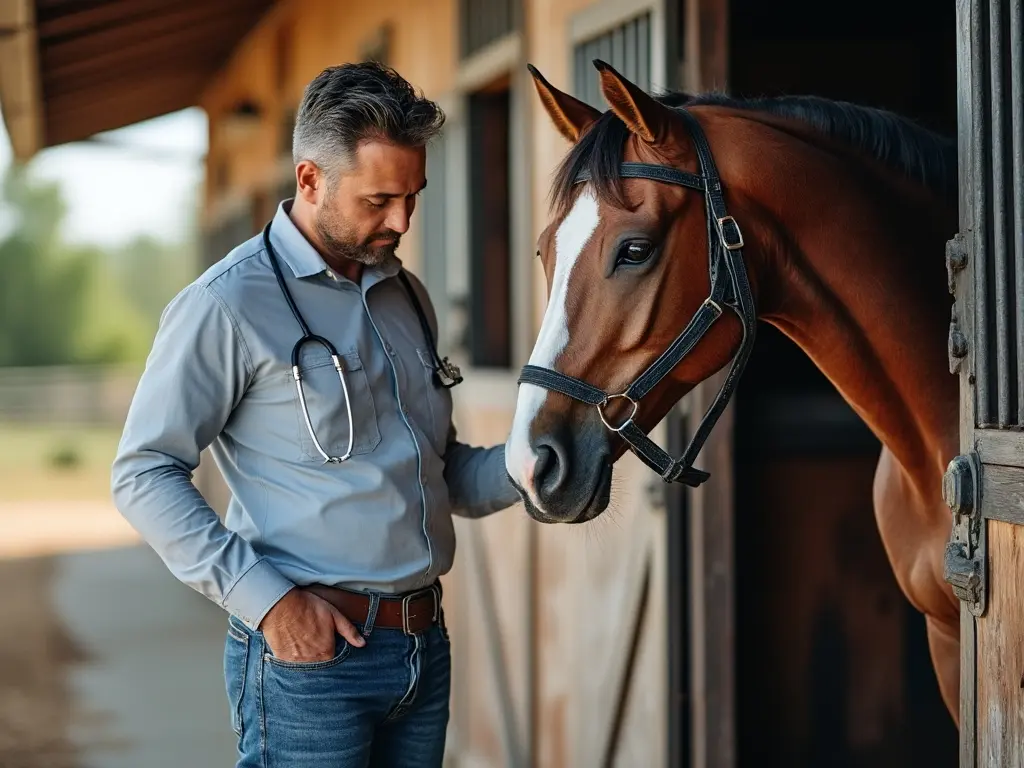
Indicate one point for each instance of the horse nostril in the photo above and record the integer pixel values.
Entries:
(550, 470)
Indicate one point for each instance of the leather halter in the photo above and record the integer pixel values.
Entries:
(729, 288)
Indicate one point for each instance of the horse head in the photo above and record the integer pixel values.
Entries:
(641, 265)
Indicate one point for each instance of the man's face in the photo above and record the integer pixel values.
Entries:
(366, 209)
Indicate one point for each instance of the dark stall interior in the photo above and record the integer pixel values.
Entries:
(832, 662)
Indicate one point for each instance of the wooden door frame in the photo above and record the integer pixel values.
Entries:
(493, 388)
(971, 176)
(701, 657)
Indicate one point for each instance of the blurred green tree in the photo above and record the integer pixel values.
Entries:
(65, 304)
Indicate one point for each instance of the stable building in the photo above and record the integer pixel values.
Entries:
(756, 617)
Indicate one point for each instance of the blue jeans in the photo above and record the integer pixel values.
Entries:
(385, 704)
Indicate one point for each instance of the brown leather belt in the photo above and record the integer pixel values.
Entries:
(412, 612)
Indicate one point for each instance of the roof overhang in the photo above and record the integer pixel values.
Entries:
(72, 68)
(19, 77)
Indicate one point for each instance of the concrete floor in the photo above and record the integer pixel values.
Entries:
(106, 661)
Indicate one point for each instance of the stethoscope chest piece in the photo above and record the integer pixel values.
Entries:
(446, 374)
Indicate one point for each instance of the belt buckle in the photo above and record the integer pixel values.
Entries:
(407, 601)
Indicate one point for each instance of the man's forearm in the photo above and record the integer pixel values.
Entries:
(161, 503)
(478, 484)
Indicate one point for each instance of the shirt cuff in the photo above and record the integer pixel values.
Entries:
(506, 495)
(256, 592)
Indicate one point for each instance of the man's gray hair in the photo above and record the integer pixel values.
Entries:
(350, 103)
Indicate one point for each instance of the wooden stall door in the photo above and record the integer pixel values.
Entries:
(984, 486)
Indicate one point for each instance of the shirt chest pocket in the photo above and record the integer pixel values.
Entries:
(436, 404)
(323, 408)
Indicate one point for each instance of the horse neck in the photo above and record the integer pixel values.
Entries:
(857, 280)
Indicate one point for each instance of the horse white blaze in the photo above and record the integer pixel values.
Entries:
(570, 239)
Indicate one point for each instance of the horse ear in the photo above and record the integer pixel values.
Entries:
(570, 115)
(638, 110)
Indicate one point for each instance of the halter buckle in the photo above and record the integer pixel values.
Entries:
(608, 398)
(734, 245)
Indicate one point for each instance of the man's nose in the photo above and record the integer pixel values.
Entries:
(398, 219)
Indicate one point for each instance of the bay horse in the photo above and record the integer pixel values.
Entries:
(678, 224)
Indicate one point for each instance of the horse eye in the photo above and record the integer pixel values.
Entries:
(634, 252)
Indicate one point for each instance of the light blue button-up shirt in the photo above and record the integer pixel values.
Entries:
(219, 375)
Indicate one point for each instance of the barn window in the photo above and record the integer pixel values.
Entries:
(626, 47)
(489, 331)
(483, 21)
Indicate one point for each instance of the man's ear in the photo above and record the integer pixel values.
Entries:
(645, 117)
(309, 180)
(570, 115)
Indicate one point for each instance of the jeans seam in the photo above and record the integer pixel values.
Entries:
(415, 669)
(311, 666)
(262, 708)
(241, 693)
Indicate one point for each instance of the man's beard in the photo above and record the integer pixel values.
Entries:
(342, 243)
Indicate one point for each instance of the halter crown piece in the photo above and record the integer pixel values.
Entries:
(730, 289)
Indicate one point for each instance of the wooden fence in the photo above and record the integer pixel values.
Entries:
(75, 395)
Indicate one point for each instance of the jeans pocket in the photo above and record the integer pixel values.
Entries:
(341, 652)
(236, 661)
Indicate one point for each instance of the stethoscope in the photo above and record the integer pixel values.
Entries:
(446, 374)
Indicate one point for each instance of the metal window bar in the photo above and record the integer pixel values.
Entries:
(627, 48)
(998, 189)
(1017, 122)
(484, 21)
(998, 202)
(979, 177)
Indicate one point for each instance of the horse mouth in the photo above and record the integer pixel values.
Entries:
(597, 503)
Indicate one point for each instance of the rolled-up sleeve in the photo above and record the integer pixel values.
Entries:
(197, 372)
(478, 484)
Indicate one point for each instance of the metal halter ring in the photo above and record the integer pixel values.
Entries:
(623, 425)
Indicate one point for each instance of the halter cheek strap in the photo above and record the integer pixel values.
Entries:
(730, 289)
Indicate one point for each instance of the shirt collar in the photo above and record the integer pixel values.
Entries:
(292, 247)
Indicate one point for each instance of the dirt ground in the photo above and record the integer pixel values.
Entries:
(35, 700)
(84, 611)
(46, 509)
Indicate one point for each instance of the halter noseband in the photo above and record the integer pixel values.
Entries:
(725, 251)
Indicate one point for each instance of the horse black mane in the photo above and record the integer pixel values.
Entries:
(897, 141)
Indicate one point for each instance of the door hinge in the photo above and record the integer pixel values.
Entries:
(957, 344)
(956, 259)
(965, 564)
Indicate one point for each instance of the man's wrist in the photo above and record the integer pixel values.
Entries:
(258, 590)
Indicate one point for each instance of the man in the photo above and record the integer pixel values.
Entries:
(336, 653)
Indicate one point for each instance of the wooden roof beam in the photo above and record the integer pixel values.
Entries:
(19, 78)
